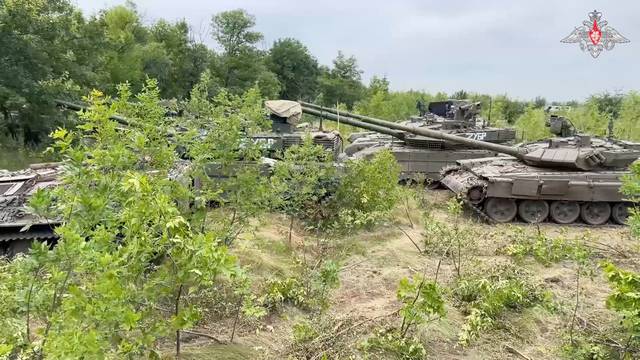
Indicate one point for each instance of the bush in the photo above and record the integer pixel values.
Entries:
(392, 345)
(545, 249)
(488, 293)
(360, 196)
(308, 292)
(625, 300)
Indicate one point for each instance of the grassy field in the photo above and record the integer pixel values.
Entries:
(373, 262)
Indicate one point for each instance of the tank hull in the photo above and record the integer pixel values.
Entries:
(423, 163)
(18, 227)
(524, 189)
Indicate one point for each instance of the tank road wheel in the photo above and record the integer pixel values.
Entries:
(476, 194)
(595, 213)
(533, 211)
(620, 213)
(501, 210)
(564, 212)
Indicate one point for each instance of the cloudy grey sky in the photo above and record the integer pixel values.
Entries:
(484, 46)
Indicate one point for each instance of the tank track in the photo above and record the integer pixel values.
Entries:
(466, 183)
(449, 169)
(477, 210)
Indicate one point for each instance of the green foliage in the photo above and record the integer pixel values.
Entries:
(460, 95)
(241, 65)
(531, 124)
(280, 291)
(392, 106)
(504, 110)
(309, 291)
(367, 193)
(548, 250)
(232, 30)
(588, 119)
(625, 300)
(303, 179)
(627, 126)
(127, 250)
(421, 302)
(310, 188)
(304, 332)
(45, 59)
(392, 345)
(341, 84)
(449, 239)
(584, 348)
(607, 104)
(631, 188)
(225, 164)
(488, 293)
(296, 69)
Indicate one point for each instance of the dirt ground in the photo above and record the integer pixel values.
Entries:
(375, 261)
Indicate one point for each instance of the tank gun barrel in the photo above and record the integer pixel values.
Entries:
(350, 121)
(78, 107)
(325, 112)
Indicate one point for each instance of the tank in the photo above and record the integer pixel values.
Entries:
(564, 180)
(18, 227)
(421, 156)
(287, 131)
(561, 179)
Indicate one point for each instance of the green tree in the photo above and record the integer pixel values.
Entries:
(296, 69)
(43, 55)
(588, 119)
(341, 84)
(460, 95)
(624, 300)
(123, 46)
(232, 30)
(607, 103)
(302, 180)
(184, 59)
(379, 85)
(241, 65)
(217, 146)
(539, 102)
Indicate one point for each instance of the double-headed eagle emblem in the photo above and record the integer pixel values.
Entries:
(595, 35)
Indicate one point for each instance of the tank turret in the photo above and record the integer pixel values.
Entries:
(420, 157)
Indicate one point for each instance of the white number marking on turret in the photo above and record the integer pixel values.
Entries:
(477, 136)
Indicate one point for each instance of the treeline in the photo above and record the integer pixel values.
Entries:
(52, 50)
(591, 116)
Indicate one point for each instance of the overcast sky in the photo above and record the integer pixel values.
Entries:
(483, 46)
